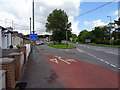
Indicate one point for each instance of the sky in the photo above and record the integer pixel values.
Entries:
(16, 13)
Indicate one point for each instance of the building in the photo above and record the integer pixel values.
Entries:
(16, 39)
(5, 37)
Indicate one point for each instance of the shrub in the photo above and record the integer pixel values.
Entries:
(11, 46)
(116, 42)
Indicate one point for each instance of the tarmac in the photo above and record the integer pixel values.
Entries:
(45, 69)
(39, 74)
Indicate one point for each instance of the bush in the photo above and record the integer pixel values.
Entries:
(116, 42)
(11, 46)
(18, 46)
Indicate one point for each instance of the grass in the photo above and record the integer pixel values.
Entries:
(103, 45)
(99, 44)
(61, 46)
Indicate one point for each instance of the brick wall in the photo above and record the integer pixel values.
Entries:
(17, 65)
(8, 65)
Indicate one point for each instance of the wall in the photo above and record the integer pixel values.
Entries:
(2, 79)
(27, 50)
(22, 59)
(4, 41)
(9, 39)
(0, 37)
(6, 52)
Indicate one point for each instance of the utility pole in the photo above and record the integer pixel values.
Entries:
(33, 48)
(110, 28)
(33, 17)
(12, 24)
(66, 38)
(30, 25)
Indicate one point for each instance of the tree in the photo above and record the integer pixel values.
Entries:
(57, 23)
(82, 36)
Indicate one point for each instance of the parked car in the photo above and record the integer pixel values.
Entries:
(40, 43)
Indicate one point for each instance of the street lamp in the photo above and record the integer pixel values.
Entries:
(110, 28)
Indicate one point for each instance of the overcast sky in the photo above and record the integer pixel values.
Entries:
(19, 11)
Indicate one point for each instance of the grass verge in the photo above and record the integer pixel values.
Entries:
(103, 45)
(61, 46)
(100, 44)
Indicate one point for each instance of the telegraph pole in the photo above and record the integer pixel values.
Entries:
(30, 25)
(33, 17)
(12, 24)
(110, 30)
(33, 48)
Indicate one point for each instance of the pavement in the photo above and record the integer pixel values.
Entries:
(69, 68)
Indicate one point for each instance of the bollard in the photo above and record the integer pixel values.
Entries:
(8, 65)
(17, 65)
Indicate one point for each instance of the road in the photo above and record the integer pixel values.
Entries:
(84, 67)
(106, 57)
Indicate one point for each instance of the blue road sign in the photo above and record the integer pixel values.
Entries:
(33, 36)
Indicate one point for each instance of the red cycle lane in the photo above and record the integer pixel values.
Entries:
(78, 74)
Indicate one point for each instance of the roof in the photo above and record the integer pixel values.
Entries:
(8, 28)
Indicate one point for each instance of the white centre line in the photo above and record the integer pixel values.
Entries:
(113, 65)
(107, 62)
(99, 59)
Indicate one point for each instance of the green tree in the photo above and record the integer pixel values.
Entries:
(57, 23)
(82, 36)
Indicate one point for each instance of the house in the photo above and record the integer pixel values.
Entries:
(5, 37)
(19, 39)
(16, 39)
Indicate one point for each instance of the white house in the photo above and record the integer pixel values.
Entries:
(5, 37)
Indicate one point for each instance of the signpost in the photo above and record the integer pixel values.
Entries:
(33, 37)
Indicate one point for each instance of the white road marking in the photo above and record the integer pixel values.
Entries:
(71, 60)
(107, 62)
(101, 60)
(79, 50)
(98, 58)
(54, 60)
(63, 60)
(113, 65)
(94, 56)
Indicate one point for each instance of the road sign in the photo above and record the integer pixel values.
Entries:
(87, 40)
(33, 36)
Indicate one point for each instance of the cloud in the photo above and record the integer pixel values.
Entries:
(74, 26)
(115, 13)
(94, 23)
(20, 11)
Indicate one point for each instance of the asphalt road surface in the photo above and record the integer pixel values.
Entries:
(106, 57)
(84, 67)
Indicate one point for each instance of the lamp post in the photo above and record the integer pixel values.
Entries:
(110, 28)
